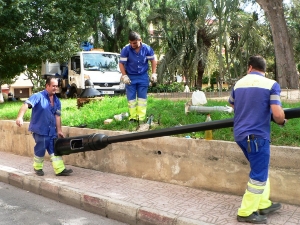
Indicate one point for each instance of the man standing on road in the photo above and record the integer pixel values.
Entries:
(45, 126)
(134, 68)
(254, 98)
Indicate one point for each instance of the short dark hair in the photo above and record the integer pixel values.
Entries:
(48, 80)
(134, 36)
(258, 63)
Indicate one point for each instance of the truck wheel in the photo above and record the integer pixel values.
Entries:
(73, 93)
(63, 95)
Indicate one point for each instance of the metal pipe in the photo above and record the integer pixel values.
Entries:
(94, 142)
(217, 124)
(206, 109)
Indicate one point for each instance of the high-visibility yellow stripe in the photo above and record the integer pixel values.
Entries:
(142, 102)
(257, 183)
(256, 187)
(56, 158)
(38, 159)
(253, 80)
(254, 190)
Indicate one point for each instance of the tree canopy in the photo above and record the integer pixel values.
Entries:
(40, 30)
(189, 33)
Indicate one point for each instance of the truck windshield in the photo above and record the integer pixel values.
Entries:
(100, 62)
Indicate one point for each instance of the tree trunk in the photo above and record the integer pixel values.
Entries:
(205, 39)
(285, 63)
(200, 72)
(1, 95)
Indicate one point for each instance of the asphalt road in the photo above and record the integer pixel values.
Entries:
(20, 207)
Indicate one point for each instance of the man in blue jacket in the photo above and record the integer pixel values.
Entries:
(45, 125)
(254, 98)
(134, 68)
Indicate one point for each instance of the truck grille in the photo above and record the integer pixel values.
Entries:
(106, 85)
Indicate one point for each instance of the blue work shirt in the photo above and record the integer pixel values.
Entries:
(252, 97)
(43, 116)
(136, 63)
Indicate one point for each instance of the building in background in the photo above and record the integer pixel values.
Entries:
(21, 88)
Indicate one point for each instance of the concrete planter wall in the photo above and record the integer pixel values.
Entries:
(212, 165)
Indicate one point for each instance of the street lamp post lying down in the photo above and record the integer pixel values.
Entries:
(96, 141)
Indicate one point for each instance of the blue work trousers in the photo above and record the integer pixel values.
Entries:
(257, 151)
(138, 87)
(43, 143)
(258, 156)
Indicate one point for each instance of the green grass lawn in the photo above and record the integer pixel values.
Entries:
(168, 113)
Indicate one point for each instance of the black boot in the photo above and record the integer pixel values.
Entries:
(65, 172)
(272, 208)
(39, 172)
(253, 218)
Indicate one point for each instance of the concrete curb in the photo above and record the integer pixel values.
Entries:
(167, 159)
(92, 202)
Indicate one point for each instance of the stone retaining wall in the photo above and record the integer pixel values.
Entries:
(212, 165)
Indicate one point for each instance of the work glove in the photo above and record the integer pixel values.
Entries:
(154, 77)
(125, 79)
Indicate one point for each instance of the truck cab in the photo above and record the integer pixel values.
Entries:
(102, 68)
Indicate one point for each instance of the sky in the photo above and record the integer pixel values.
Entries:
(256, 8)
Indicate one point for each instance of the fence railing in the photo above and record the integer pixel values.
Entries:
(286, 94)
(290, 94)
(188, 95)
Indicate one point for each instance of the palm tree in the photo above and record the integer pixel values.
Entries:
(112, 23)
(240, 35)
(188, 32)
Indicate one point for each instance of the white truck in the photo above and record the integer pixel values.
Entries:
(102, 68)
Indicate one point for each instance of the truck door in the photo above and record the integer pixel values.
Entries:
(75, 64)
(74, 76)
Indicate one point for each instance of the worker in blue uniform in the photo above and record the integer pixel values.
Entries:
(134, 67)
(255, 99)
(45, 125)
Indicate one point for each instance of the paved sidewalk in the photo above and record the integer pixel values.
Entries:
(132, 200)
